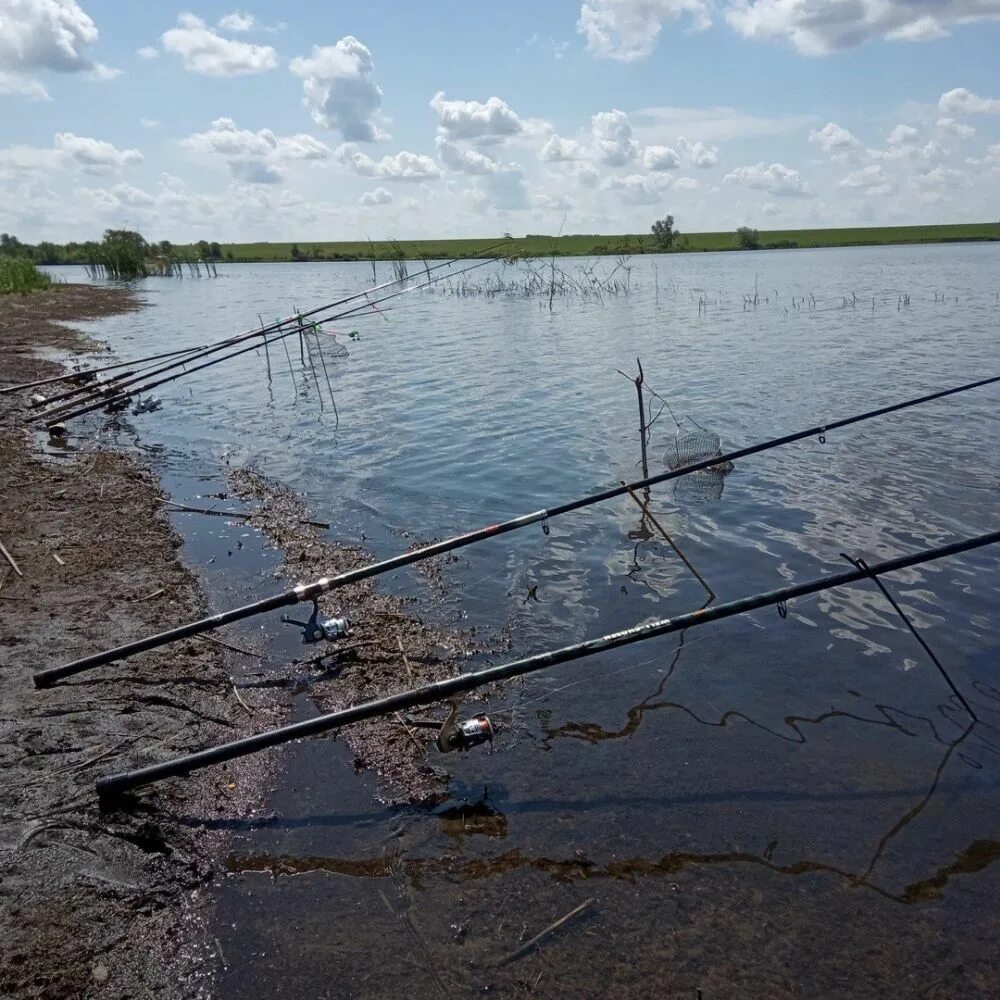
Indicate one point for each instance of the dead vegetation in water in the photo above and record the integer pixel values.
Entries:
(391, 646)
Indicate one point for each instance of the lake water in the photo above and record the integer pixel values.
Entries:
(762, 807)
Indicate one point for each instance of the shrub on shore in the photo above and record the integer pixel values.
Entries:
(19, 275)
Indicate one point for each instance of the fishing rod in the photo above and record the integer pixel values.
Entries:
(262, 331)
(87, 372)
(121, 396)
(112, 785)
(306, 592)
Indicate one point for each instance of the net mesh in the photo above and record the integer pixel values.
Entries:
(690, 447)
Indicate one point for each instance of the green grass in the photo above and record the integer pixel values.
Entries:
(20, 275)
(587, 245)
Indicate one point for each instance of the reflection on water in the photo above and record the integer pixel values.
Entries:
(691, 778)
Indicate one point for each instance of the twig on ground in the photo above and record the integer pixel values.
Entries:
(528, 945)
(148, 597)
(10, 559)
(246, 707)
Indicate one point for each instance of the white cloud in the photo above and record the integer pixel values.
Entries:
(769, 208)
(818, 27)
(903, 135)
(50, 35)
(256, 171)
(955, 128)
(147, 52)
(687, 184)
(627, 30)
(150, 122)
(777, 179)
(380, 196)
(237, 21)
(29, 161)
(639, 189)
(102, 72)
(468, 161)
(505, 190)
(941, 176)
(204, 51)
(22, 85)
(835, 141)
(255, 157)
(340, 90)
(486, 123)
(660, 158)
(698, 154)
(871, 179)
(905, 147)
(402, 166)
(559, 150)
(613, 137)
(964, 102)
(95, 155)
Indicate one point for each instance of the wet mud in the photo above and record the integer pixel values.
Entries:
(91, 901)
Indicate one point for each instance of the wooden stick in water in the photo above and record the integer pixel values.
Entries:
(528, 945)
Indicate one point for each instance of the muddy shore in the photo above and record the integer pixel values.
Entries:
(91, 902)
(101, 904)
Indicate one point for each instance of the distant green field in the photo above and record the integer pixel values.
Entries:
(587, 245)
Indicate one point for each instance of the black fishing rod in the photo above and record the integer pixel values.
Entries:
(306, 592)
(115, 784)
(122, 396)
(86, 372)
(262, 331)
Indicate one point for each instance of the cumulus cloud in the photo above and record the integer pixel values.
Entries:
(903, 135)
(956, 128)
(639, 189)
(906, 147)
(777, 179)
(505, 190)
(380, 196)
(204, 51)
(698, 154)
(941, 176)
(148, 52)
(340, 89)
(227, 139)
(402, 166)
(50, 35)
(660, 158)
(627, 30)
(613, 137)
(484, 123)
(255, 157)
(559, 150)
(964, 102)
(837, 142)
(237, 21)
(818, 27)
(94, 155)
(468, 161)
(870, 180)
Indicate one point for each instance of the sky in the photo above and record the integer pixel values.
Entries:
(328, 120)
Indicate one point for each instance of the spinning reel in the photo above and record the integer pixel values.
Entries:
(319, 630)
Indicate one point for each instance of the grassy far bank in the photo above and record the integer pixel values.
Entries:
(593, 245)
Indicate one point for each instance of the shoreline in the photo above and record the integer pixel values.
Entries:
(94, 901)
